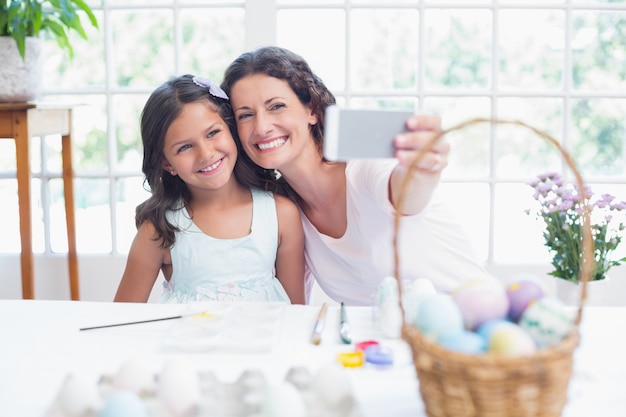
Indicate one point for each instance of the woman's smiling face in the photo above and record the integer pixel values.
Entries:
(273, 124)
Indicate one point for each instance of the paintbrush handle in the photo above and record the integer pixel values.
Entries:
(130, 322)
(316, 337)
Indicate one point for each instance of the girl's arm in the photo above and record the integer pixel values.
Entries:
(428, 173)
(290, 253)
(145, 259)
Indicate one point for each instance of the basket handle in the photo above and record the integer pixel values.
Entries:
(587, 241)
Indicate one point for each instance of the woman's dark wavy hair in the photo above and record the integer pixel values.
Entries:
(285, 65)
(169, 192)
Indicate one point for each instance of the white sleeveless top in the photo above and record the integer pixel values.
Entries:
(208, 269)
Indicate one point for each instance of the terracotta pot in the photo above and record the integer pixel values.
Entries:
(21, 78)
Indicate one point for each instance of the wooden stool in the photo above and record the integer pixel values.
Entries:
(21, 121)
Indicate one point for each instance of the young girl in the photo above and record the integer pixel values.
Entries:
(215, 235)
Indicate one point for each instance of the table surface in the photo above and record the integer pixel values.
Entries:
(41, 344)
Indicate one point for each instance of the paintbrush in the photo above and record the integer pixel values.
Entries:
(344, 327)
(202, 314)
(316, 337)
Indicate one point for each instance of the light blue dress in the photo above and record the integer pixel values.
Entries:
(208, 269)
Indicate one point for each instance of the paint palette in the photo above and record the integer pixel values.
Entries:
(230, 327)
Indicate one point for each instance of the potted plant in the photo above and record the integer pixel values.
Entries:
(560, 208)
(22, 22)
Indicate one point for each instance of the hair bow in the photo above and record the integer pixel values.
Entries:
(214, 89)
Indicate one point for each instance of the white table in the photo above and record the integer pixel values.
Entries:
(41, 344)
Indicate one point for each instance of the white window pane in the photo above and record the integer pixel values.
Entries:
(598, 136)
(531, 59)
(93, 215)
(208, 52)
(470, 204)
(9, 216)
(521, 152)
(469, 157)
(518, 237)
(130, 193)
(150, 45)
(599, 50)
(384, 56)
(301, 32)
(458, 47)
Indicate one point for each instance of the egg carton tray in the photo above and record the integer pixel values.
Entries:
(300, 394)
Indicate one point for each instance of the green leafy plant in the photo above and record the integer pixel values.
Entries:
(20, 19)
(561, 211)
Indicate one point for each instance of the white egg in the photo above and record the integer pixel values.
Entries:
(389, 319)
(332, 385)
(77, 396)
(283, 400)
(134, 375)
(179, 387)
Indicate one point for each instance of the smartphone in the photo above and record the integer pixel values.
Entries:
(363, 134)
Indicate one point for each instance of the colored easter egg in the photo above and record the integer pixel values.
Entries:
(413, 296)
(387, 291)
(485, 329)
(437, 315)
(511, 340)
(124, 404)
(481, 301)
(548, 321)
(521, 294)
(464, 341)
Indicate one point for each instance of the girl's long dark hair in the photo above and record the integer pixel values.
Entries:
(286, 65)
(169, 192)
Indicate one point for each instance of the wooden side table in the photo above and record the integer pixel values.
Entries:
(20, 122)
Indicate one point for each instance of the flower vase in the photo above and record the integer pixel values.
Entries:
(598, 292)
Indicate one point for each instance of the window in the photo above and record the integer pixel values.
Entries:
(559, 65)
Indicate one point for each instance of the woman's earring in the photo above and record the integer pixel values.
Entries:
(173, 173)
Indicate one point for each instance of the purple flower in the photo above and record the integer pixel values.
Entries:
(561, 209)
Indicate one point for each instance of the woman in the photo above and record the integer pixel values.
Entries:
(347, 209)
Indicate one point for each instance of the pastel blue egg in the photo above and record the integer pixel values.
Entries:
(464, 341)
(437, 315)
(486, 329)
(124, 404)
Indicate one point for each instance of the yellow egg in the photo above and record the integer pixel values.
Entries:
(511, 340)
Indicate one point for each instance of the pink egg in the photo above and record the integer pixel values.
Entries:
(521, 294)
(481, 301)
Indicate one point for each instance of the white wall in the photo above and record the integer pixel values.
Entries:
(99, 277)
(100, 274)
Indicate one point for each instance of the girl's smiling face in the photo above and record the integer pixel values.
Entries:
(272, 123)
(199, 148)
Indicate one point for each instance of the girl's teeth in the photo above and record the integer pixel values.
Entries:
(273, 144)
(211, 167)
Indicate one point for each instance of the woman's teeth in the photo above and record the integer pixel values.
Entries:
(276, 143)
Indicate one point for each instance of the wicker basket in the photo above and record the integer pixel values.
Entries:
(454, 384)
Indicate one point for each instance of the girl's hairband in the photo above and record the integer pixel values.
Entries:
(214, 89)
